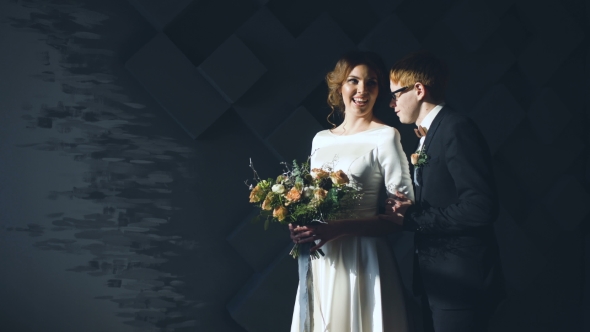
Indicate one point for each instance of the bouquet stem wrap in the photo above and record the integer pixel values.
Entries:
(305, 288)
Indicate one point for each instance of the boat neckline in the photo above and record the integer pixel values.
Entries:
(360, 132)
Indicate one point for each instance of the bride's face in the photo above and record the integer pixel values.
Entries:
(360, 90)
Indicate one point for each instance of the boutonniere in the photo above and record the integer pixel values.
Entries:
(420, 158)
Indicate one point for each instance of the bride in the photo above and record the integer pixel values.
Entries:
(356, 285)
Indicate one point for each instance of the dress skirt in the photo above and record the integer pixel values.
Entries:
(357, 288)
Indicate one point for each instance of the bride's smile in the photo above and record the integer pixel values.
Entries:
(359, 91)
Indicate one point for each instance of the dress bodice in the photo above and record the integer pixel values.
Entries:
(373, 159)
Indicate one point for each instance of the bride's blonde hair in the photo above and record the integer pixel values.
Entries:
(343, 67)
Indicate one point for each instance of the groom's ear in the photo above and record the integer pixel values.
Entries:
(420, 90)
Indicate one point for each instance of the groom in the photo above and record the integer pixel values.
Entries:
(456, 270)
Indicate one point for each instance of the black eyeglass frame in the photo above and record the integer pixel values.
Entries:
(393, 96)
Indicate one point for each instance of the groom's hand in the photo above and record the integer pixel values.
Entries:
(399, 203)
(395, 208)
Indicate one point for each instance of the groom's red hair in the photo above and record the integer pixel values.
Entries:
(425, 68)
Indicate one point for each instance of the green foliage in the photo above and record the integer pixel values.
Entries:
(422, 158)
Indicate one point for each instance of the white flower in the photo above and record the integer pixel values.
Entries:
(278, 188)
(308, 191)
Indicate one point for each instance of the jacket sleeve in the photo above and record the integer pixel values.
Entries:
(468, 162)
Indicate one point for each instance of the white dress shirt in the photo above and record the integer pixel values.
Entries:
(427, 121)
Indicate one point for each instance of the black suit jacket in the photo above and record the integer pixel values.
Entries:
(456, 204)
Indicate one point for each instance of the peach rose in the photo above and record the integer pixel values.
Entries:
(339, 177)
(293, 195)
(256, 195)
(415, 158)
(320, 194)
(319, 173)
(280, 212)
(266, 205)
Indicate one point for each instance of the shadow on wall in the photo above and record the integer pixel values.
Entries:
(133, 209)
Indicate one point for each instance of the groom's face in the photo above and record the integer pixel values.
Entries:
(405, 104)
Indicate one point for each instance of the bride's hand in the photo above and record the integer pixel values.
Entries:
(322, 232)
(302, 234)
(397, 204)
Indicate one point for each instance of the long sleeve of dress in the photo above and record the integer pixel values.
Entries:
(394, 165)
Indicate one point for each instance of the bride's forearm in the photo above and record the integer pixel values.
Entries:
(373, 226)
(378, 225)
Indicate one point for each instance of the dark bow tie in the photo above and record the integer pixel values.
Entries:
(420, 131)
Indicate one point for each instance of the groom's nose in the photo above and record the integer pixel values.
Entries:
(392, 103)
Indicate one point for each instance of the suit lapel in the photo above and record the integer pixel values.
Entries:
(433, 127)
(429, 135)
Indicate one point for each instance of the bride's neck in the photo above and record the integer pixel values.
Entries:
(355, 124)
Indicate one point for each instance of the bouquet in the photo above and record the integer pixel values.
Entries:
(301, 196)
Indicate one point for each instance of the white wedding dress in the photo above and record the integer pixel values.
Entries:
(356, 286)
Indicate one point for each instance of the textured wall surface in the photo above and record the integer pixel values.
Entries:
(126, 129)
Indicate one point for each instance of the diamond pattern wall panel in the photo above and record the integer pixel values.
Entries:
(176, 85)
(548, 115)
(266, 302)
(513, 31)
(465, 86)
(497, 123)
(310, 56)
(499, 7)
(364, 18)
(292, 139)
(206, 24)
(526, 160)
(472, 74)
(267, 38)
(586, 294)
(182, 254)
(471, 22)
(540, 226)
(384, 7)
(568, 202)
(494, 58)
(159, 13)
(296, 16)
(502, 55)
(232, 69)
(588, 106)
(552, 43)
(391, 39)
(258, 247)
(411, 12)
(516, 247)
(319, 46)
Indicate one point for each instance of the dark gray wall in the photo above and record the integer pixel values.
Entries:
(126, 129)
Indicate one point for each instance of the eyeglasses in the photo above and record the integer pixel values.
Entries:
(394, 93)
